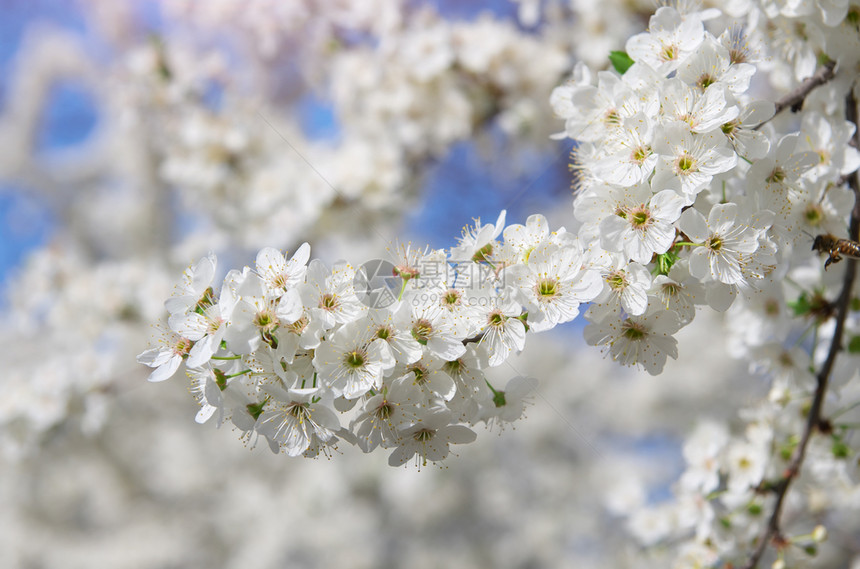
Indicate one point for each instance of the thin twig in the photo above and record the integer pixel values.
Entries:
(772, 532)
(796, 97)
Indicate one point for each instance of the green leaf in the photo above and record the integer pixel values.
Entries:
(499, 399)
(220, 379)
(801, 306)
(256, 409)
(840, 449)
(664, 262)
(854, 345)
(620, 61)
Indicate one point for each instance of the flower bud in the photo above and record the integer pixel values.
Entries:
(819, 534)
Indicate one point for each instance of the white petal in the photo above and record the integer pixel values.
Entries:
(166, 370)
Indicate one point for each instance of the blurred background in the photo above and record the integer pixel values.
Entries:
(138, 135)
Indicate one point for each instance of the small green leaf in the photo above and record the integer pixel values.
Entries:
(499, 399)
(220, 379)
(854, 345)
(663, 263)
(787, 450)
(256, 409)
(620, 61)
(801, 306)
(840, 449)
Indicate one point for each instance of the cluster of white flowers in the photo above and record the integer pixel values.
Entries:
(680, 195)
(435, 81)
(402, 86)
(403, 345)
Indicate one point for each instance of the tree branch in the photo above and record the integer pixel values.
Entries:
(772, 532)
(795, 98)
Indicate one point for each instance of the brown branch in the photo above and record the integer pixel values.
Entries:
(474, 339)
(795, 98)
(772, 532)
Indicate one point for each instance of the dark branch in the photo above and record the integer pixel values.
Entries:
(794, 99)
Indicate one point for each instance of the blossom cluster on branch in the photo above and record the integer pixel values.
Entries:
(284, 346)
(699, 196)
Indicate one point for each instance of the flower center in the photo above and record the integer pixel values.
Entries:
(640, 154)
(633, 331)
(668, 53)
(421, 331)
(739, 51)
(715, 243)
(612, 118)
(329, 302)
(266, 321)
(384, 411)
(420, 373)
(670, 289)
(705, 81)
(771, 307)
(206, 300)
(686, 163)
(451, 298)
(424, 435)
(299, 325)
(299, 411)
(383, 333)
(777, 176)
(640, 217)
(280, 281)
(182, 346)
(617, 280)
(813, 214)
(355, 359)
(496, 318)
(527, 254)
(547, 288)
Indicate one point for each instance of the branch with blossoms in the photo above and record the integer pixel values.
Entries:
(815, 421)
(676, 114)
(283, 347)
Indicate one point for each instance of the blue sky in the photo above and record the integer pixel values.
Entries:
(25, 221)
